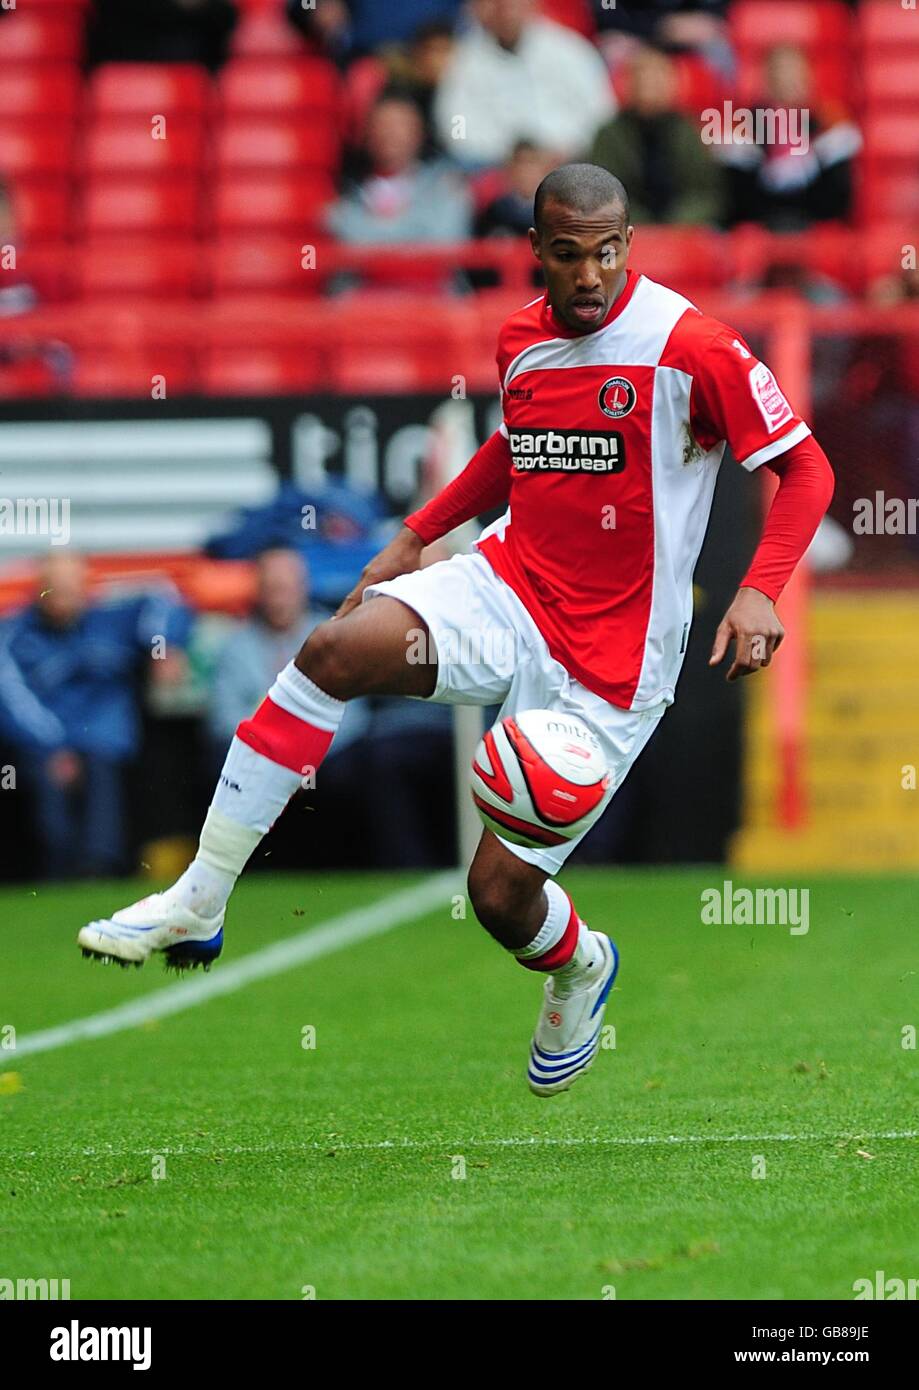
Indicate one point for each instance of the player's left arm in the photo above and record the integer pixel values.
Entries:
(803, 495)
(737, 398)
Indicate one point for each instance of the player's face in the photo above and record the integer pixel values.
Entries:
(583, 256)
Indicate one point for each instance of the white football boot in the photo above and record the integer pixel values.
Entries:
(567, 1036)
(157, 923)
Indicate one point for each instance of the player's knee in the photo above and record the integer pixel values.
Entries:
(325, 658)
(499, 902)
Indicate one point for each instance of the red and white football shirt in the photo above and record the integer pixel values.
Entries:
(615, 440)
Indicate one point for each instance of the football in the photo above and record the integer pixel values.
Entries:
(539, 778)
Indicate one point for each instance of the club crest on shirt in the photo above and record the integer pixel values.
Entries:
(617, 397)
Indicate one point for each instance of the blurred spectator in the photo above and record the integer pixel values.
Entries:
(662, 19)
(795, 277)
(256, 651)
(689, 26)
(893, 289)
(347, 29)
(515, 76)
(160, 31)
(71, 673)
(401, 197)
(787, 185)
(386, 753)
(510, 213)
(658, 152)
(414, 70)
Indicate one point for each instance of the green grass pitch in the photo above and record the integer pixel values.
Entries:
(211, 1155)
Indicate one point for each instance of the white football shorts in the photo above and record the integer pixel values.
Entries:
(489, 651)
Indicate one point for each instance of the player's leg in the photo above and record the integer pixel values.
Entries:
(531, 916)
(379, 648)
(569, 1029)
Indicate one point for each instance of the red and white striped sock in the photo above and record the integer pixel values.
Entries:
(284, 741)
(563, 941)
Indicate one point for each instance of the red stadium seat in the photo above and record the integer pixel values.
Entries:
(45, 90)
(264, 32)
(148, 89)
(892, 137)
(259, 265)
(832, 249)
(891, 82)
(892, 25)
(242, 143)
(265, 370)
(125, 148)
(116, 268)
(574, 14)
(272, 204)
(279, 87)
(888, 174)
(385, 342)
(154, 207)
(681, 257)
(42, 36)
(808, 23)
(698, 86)
(884, 246)
(27, 377)
(41, 209)
(29, 148)
(103, 371)
(889, 194)
(48, 268)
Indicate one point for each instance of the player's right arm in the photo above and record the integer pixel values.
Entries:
(484, 483)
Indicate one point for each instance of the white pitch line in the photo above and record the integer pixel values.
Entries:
(334, 934)
(507, 1142)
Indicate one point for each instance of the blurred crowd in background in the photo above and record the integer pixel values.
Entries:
(374, 124)
(116, 714)
(427, 122)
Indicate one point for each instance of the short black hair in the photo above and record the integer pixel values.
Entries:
(585, 187)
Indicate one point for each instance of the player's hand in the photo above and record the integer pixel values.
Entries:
(751, 623)
(401, 556)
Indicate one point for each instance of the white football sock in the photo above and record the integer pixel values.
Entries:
(587, 955)
(553, 928)
(202, 888)
(251, 793)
